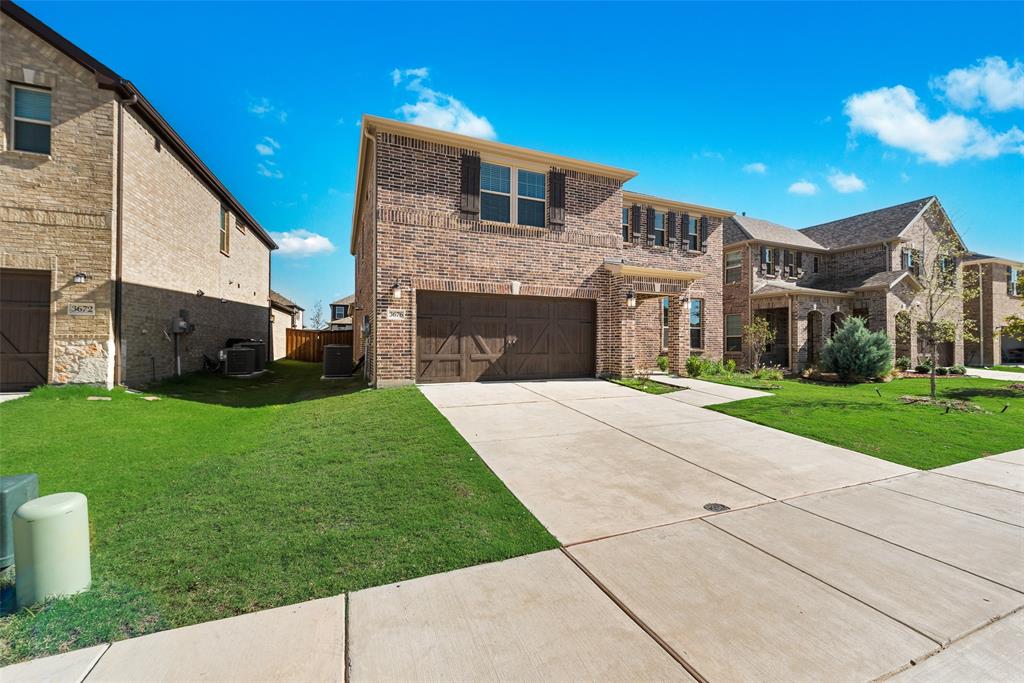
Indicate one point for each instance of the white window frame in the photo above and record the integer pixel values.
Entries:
(665, 303)
(737, 267)
(664, 228)
(695, 244)
(1013, 281)
(49, 124)
(224, 231)
(771, 268)
(733, 336)
(626, 218)
(699, 326)
(513, 193)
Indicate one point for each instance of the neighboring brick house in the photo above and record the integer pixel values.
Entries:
(480, 260)
(341, 313)
(113, 233)
(1002, 294)
(285, 315)
(806, 282)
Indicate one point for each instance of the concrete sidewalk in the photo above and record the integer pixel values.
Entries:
(996, 374)
(831, 566)
(697, 392)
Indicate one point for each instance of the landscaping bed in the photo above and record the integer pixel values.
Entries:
(229, 496)
(876, 420)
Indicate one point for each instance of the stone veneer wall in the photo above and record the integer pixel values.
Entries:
(56, 210)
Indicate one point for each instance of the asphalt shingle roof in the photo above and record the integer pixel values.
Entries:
(747, 227)
(344, 300)
(283, 301)
(866, 228)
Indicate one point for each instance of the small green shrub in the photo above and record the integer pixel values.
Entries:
(922, 369)
(713, 367)
(903, 363)
(941, 371)
(772, 374)
(663, 363)
(730, 366)
(957, 369)
(928, 363)
(855, 351)
(695, 366)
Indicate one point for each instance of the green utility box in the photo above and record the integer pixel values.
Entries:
(14, 491)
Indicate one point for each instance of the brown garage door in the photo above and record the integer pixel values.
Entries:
(24, 328)
(469, 337)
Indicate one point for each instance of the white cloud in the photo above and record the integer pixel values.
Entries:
(263, 107)
(845, 182)
(756, 167)
(904, 177)
(268, 169)
(302, 243)
(897, 118)
(991, 83)
(804, 187)
(267, 146)
(438, 110)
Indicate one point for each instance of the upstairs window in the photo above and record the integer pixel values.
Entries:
(912, 261)
(659, 228)
(32, 121)
(625, 224)
(733, 266)
(692, 236)
(1014, 284)
(225, 232)
(696, 323)
(768, 260)
(815, 264)
(523, 202)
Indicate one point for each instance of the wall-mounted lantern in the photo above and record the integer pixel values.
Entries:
(396, 291)
(631, 298)
(200, 292)
(80, 278)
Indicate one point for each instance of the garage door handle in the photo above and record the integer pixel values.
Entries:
(511, 340)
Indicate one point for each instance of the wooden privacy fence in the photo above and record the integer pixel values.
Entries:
(308, 345)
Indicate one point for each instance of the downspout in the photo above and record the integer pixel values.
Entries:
(789, 331)
(118, 321)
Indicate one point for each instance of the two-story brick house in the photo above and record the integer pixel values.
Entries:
(481, 260)
(1001, 284)
(806, 282)
(123, 259)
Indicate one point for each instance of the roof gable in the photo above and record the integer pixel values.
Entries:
(880, 225)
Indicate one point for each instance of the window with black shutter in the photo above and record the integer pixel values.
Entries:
(704, 234)
(625, 224)
(637, 214)
(557, 180)
(672, 220)
(650, 225)
(470, 184)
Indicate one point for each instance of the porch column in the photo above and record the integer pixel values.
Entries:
(678, 333)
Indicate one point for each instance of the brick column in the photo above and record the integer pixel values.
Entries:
(678, 333)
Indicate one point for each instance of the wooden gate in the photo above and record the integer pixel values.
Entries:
(24, 328)
(308, 345)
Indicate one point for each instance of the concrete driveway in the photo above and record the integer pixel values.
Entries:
(593, 459)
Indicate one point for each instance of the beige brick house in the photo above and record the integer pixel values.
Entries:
(1002, 294)
(285, 315)
(113, 234)
(481, 260)
(806, 282)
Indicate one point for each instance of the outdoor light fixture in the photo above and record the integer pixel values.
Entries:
(80, 278)
(631, 298)
(200, 292)
(396, 291)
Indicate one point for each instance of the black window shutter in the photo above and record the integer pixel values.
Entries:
(470, 184)
(635, 226)
(671, 228)
(684, 232)
(704, 234)
(650, 225)
(775, 260)
(557, 179)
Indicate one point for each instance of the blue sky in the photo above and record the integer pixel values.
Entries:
(798, 113)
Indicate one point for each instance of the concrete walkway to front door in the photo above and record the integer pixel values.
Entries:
(1004, 375)
(831, 565)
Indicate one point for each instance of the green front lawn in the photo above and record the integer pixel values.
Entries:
(1007, 368)
(228, 496)
(869, 417)
(645, 385)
